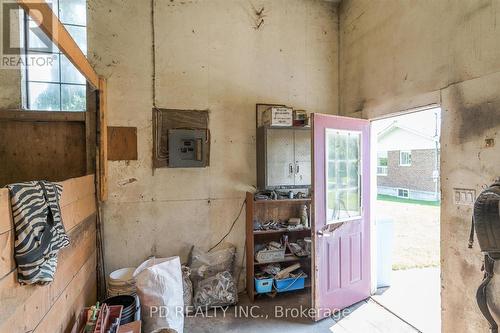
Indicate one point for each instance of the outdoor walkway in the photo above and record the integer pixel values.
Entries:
(415, 296)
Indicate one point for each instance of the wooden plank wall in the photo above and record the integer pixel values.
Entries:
(54, 307)
(33, 150)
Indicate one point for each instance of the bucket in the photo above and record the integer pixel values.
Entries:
(130, 307)
(121, 282)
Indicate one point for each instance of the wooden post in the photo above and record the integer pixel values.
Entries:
(103, 141)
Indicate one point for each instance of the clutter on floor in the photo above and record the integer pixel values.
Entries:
(279, 236)
(212, 276)
(121, 282)
(99, 318)
(160, 291)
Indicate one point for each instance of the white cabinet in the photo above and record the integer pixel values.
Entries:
(283, 157)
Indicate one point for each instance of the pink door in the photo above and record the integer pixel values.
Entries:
(341, 198)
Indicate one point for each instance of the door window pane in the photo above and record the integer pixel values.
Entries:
(343, 175)
(44, 96)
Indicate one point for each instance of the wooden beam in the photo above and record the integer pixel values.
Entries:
(23, 115)
(43, 15)
(103, 141)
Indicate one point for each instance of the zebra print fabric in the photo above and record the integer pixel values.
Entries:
(39, 232)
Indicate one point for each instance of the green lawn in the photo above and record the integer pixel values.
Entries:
(407, 201)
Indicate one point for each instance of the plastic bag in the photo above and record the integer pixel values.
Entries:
(212, 277)
(204, 265)
(218, 290)
(159, 287)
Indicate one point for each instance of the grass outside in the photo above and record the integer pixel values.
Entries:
(416, 231)
(408, 201)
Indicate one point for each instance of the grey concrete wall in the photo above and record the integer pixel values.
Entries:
(209, 55)
(402, 54)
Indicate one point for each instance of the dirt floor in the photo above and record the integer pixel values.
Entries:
(416, 233)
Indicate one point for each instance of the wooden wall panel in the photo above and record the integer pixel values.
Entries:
(53, 308)
(53, 151)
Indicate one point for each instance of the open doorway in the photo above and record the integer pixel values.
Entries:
(407, 213)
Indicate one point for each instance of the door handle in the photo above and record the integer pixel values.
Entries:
(297, 168)
(322, 233)
(290, 168)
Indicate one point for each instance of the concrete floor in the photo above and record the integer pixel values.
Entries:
(415, 296)
(282, 314)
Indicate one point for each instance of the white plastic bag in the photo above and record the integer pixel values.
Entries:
(159, 287)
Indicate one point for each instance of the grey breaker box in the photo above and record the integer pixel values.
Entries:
(187, 148)
(283, 157)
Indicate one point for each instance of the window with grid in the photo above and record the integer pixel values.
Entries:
(382, 163)
(405, 158)
(403, 193)
(343, 174)
(55, 86)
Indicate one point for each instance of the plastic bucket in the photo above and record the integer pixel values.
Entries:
(129, 304)
(121, 282)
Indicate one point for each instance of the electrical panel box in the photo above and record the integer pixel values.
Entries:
(186, 148)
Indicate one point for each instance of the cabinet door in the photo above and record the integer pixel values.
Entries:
(302, 157)
(279, 155)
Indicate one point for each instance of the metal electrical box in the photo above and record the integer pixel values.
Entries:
(186, 148)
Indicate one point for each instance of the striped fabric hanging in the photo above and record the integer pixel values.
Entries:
(38, 228)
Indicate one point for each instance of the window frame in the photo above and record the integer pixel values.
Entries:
(401, 154)
(407, 192)
(328, 220)
(25, 79)
(382, 167)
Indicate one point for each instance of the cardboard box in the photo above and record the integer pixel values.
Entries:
(278, 116)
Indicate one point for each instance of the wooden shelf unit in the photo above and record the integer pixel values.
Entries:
(265, 210)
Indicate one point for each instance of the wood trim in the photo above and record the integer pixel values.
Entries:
(28, 115)
(103, 140)
(43, 15)
(249, 246)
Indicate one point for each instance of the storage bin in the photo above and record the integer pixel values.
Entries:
(267, 256)
(263, 286)
(289, 284)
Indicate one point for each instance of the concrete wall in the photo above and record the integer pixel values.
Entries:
(401, 54)
(208, 55)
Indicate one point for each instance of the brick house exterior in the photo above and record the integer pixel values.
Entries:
(420, 179)
(417, 177)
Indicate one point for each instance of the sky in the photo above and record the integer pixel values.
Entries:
(423, 121)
